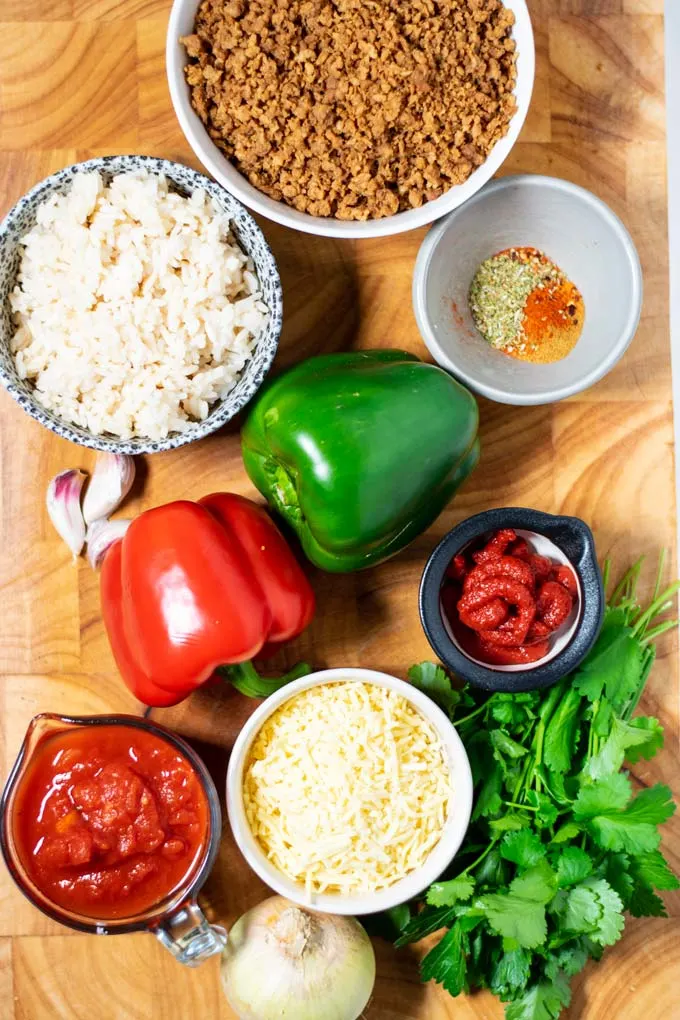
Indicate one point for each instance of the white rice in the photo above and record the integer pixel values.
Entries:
(135, 309)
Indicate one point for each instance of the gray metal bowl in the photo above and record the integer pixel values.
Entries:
(575, 229)
(21, 218)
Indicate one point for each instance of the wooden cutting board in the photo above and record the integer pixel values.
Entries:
(80, 78)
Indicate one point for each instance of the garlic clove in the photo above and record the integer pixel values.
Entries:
(101, 535)
(111, 481)
(63, 506)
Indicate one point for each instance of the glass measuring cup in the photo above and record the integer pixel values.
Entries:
(177, 921)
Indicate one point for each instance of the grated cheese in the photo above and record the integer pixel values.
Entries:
(346, 788)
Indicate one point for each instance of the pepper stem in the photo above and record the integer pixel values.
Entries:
(248, 681)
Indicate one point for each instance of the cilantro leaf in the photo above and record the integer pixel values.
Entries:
(583, 910)
(432, 680)
(520, 913)
(649, 871)
(511, 973)
(613, 666)
(509, 823)
(488, 800)
(561, 733)
(571, 958)
(425, 923)
(611, 793)
(573, 865)
(617, 874)
(546, 812)
(514, 710)
(568, 831)
(602, 719)
(633, 829)
(645, 903)
(642, 737)
(541, 1002)
(523, 848)
(651, 745)
(446, 963)
(610, 924)
(492, 870)
(445, 894)
(505, 745)
(654, 869)
(653, 806)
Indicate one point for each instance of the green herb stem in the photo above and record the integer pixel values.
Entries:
(661, 604)
(471, 715)
(481, 857)
(626, 586)
(654, 632)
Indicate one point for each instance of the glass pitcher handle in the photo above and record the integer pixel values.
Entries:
(188, 936)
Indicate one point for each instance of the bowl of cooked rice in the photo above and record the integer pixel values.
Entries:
(140, 304)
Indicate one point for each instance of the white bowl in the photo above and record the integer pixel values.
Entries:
(182, 17)
(575, 229)
(413, 883)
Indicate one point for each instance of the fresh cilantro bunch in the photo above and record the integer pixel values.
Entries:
(559, 844)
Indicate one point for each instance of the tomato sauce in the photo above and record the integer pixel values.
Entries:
(109, 820)
(504, 602)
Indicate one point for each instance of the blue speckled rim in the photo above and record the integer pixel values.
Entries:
(247, 233)
(574, 538)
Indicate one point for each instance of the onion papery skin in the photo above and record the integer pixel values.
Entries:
(284, 962)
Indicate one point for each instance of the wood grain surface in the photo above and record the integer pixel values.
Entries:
(86, 77)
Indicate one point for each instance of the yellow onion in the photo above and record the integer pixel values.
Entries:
(283, 962)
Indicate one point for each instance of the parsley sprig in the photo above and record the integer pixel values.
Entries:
(559, 844)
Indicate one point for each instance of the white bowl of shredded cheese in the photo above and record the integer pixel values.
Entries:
(349, 791)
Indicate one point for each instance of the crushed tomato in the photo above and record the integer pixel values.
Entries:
(109, 820)
(504, 602)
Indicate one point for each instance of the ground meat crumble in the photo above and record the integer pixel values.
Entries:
(355, 109)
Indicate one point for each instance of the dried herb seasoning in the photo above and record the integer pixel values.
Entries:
(524, 305)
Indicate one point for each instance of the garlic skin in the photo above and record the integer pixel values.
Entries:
(111, 481)
(282, 961)
(63, 506)
(101, 535)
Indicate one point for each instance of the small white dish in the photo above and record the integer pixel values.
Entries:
(182, 18)
(580, 234)
(408, 887)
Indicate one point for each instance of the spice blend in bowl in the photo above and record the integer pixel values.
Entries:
(524, 305)
(580, 234)
(352, 110)
(350, 807)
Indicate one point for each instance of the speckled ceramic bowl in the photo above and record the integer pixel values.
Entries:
(21, 218)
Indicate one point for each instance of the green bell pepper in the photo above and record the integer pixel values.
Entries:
(360, 452)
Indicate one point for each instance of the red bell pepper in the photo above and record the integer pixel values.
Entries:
(192, 587)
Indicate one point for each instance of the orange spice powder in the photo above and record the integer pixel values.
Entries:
(552, 323)
(525, 306)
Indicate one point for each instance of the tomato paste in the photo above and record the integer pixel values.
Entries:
(504, 602)
(109, 820)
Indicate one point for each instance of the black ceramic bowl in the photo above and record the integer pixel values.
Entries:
(571, 538)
